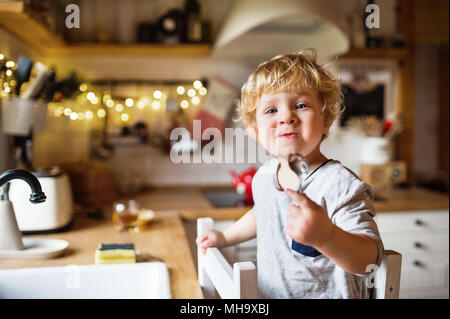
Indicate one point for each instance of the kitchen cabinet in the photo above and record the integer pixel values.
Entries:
(422, 239)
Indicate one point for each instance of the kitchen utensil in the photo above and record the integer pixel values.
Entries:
(49, 88)
(299, 165)
(38, 84)
(22, 73)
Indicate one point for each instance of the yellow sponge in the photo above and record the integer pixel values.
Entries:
(115, 254)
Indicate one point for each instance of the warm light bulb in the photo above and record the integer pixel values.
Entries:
(67, 111)
(202, 91)
(157, 94)
(10, 64)
(180, 90)
(101, 113)
(106, 97)
(129, 102)
(73, 116)
(1, 56)
(94, 100)
(195, 100)
(110, 103)
(90, 96)
(59, 111)
(83, 87)
(197, 84)
(191, 93)
(124, 117)
(184, 104)
(119, 107)
(80, 116)
(7, 89)
(8, 72)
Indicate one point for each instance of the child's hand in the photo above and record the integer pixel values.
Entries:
(307, 223)
(213, 238)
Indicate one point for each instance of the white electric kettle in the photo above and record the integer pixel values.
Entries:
(55, 214)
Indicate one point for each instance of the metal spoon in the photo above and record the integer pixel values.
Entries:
(299, 166)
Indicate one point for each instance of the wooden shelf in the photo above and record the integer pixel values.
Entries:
(131, 49)
(19, 20)
(16, 18)
(400, 53)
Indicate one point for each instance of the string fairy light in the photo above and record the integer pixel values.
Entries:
(93, 102)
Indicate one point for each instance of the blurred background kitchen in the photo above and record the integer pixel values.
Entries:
(97, 103)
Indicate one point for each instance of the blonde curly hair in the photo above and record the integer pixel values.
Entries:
(290, 73)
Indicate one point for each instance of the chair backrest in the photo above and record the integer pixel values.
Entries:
(387, 276)
(240, 281)
(216, 274)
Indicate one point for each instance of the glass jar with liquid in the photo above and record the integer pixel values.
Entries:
(125, 215)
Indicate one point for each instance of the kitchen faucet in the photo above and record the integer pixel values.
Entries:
(37, 196)
(10, 236)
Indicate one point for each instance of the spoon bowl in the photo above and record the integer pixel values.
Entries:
(299, 166)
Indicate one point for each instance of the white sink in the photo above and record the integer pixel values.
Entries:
(119, 281)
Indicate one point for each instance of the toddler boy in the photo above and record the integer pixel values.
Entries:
(318, 244)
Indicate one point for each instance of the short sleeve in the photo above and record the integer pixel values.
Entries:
(356, 216)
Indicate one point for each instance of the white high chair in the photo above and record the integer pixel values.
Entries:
(240, 281)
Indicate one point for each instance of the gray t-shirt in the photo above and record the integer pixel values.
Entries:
(286, 273)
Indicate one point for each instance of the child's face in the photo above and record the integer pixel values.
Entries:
(290, 121)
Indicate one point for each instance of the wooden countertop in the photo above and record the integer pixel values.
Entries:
(409, 199)
(164, 238)
(387, 200)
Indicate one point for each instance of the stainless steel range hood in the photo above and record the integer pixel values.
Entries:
(260, 29)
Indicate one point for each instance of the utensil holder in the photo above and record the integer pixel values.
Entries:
(20, 115)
